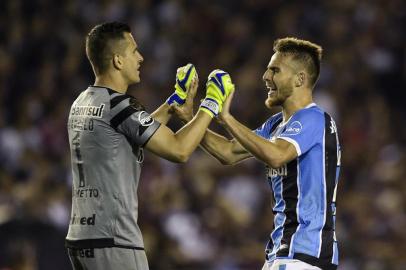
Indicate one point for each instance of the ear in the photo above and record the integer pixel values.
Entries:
(117, 61)
(300, 79)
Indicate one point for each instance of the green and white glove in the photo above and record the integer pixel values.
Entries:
(218, 88)
(184, 77)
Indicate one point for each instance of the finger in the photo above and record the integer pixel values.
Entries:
(172, 108)
(230, 96)
(193, 89)
(227, 102)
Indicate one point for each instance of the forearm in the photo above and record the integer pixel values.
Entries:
(222, 148)
(162, 114)
(190, 135)
(259, 147)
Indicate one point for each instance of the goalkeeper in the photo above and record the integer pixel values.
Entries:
(108, 131)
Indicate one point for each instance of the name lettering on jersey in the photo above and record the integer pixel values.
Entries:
(86, 193)
(81, 124)
(281, 171)
(293, 129)
(84, 221)
(93, 111)
(145, 119)
(333, 127)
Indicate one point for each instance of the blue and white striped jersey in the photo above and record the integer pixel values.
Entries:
(305, 189)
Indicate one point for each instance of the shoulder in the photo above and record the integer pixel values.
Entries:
(274, 119)
(125, 100)
(312, 113)
(270, 122)
(309, 120)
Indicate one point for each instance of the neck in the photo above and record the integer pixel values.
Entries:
(295, 103)
(113, 82)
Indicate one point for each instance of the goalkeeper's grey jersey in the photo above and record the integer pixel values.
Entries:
(107, 132)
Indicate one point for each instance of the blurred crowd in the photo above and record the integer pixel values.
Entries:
(202, 215)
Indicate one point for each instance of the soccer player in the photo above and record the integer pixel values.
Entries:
(108, 131)
(301, 151)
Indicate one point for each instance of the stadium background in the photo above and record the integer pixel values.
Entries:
(202, 215)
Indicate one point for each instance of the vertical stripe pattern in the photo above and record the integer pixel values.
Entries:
(330, 171)
(290, 193)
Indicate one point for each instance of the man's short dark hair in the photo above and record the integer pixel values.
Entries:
(98, 47)
(303, 51)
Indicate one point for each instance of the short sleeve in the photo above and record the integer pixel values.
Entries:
(130, 118)
(140, 127)
(304, 130)
(265, 129)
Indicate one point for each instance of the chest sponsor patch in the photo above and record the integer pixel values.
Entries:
(293, 128)
(88, 111)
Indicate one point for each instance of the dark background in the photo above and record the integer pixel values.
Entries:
(201, 215)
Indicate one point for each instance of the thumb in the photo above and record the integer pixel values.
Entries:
(226, 104)
(173, 108)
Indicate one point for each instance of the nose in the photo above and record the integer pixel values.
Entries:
(264, 77)
(141, 59)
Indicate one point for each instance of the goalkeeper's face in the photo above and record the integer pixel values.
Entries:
(132, 60)
(279, 77)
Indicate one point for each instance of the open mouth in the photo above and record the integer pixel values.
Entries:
(272, 90)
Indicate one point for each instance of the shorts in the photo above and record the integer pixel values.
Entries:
(288, 264)
(108, 258)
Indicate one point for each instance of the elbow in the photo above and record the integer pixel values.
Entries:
(226, 162)
(177, 157)
(275, 162)
(182, 157)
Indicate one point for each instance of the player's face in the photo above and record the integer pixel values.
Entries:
(279, 77)
(132, 60)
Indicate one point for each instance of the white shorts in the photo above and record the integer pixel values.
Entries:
(288, 264)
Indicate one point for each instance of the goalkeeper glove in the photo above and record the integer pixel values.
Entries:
(218, 88)
(184, 77)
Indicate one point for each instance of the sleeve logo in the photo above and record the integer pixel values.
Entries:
(145, 119)
(293, 129)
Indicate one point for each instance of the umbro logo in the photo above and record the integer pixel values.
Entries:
(145, 119)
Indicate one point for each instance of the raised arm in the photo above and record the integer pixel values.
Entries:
(162, 114)
(184, 77)
(275, 154)
(228, 152)
(179, 146)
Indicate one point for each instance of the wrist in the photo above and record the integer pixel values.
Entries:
(210, 106)
(226, 117)
(186, 118)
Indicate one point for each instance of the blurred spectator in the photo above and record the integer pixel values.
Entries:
(202, 215)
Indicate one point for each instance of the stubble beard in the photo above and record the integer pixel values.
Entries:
(271, 102)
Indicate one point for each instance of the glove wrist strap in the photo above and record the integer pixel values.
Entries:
(210, 106)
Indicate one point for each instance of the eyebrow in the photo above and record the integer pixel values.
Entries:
(273, 68)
